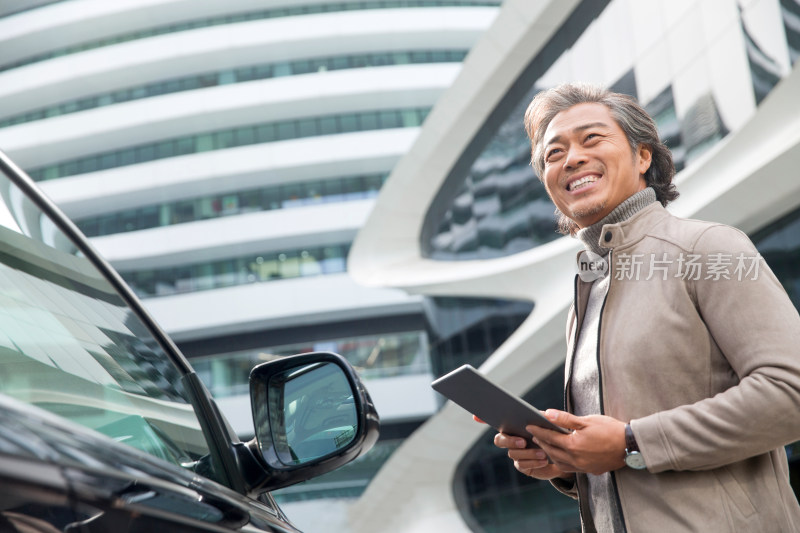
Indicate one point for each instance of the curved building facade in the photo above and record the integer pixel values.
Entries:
(223, 155)
(469, 218)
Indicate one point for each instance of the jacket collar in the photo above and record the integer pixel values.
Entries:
(633, 229)
(625, 210)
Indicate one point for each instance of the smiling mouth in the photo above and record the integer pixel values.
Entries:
(581, 183)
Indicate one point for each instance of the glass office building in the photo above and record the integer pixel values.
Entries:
(223, 155)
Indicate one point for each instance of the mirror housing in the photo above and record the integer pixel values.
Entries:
(311, 414)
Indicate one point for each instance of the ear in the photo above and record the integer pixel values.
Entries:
(644, 158)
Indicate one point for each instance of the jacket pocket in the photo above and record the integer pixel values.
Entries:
(735, 492)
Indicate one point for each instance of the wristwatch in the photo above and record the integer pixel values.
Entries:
(633, 458)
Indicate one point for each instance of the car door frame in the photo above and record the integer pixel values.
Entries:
(223, 442)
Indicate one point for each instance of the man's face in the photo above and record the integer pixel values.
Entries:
(589, 168)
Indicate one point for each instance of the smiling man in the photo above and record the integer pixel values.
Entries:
(576, 185)
(683, 367)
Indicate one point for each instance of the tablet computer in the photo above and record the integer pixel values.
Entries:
(491, 403)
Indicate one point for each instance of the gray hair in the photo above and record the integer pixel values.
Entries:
(639, 128)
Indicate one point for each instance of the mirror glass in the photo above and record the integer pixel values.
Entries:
(312, 412)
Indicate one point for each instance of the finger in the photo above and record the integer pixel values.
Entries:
(527, 454)
(476, 419)
(548, 437)
(502, 440)
(553, 449)
(538, 431)
(562, 459)
(529, 465)
(548, 471)
(538, 464)
(528, 459)
(564, 419)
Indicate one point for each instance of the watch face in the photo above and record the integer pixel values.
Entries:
(635, 460)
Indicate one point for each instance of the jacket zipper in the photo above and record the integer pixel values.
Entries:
(574, 342)
(568, 370)
(600, 387)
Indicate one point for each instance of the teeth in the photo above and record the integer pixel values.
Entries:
(575, 185)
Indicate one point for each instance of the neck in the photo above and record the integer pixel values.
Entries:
(590, 235)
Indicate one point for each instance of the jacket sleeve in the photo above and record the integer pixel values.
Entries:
(757, 330)
(568, 487)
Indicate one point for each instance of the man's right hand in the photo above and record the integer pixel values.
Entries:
(532, 462)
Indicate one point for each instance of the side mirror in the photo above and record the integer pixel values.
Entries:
(311, 415)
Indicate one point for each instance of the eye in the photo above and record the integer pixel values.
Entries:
(552, 152)
(591, 136)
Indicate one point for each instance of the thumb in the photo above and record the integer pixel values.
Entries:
(564, 419)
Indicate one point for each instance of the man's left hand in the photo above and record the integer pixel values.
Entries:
(596, 444)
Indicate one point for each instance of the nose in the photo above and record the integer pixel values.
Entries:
(575, 157)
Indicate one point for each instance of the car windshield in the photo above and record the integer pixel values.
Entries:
(70, 345)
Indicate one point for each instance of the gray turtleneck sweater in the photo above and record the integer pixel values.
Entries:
(585, 385)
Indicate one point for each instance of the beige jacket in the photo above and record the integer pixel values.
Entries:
(707, 369)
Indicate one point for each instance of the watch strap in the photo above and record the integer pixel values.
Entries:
(633, 458)
(630, 440)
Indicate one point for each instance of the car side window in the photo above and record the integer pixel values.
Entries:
(70, 345)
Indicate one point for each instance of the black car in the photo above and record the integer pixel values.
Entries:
(105, 427)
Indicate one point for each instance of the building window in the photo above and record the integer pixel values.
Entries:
(233, 19)
(233, 203)
(373, 357)
(148, 283)
(219, 140)
(241, 75)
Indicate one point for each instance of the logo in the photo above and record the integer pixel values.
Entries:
(591, 266)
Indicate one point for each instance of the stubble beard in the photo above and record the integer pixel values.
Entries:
(588, 211)
(568, 226)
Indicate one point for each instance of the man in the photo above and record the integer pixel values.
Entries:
(683, 364)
